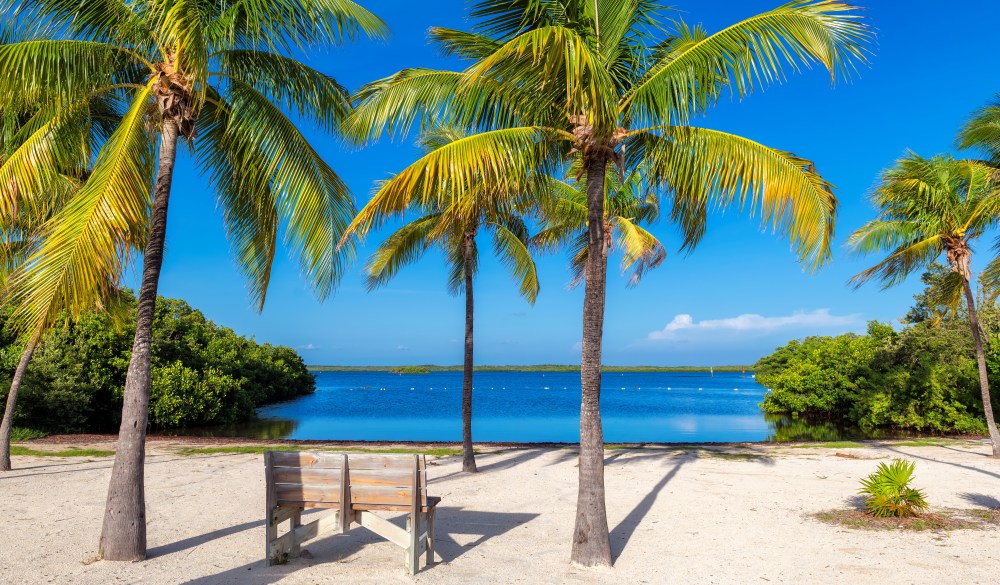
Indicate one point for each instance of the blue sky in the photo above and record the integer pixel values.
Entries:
(740, 294)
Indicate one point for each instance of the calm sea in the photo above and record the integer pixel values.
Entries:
(521, 407)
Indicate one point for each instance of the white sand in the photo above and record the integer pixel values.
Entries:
(676, 516)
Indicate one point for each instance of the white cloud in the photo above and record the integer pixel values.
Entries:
(753, 324)
(402, 348)
(309, 347)
(577, 347)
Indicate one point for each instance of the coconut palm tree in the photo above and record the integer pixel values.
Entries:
(620, 85)
(626, 208)
(22, 234)
(929, 207)
(451, 223)
(219, 75)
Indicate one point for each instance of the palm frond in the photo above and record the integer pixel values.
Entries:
(700, 166)
(694, 71)
(510, 244)
(403, 247)
(87, 241)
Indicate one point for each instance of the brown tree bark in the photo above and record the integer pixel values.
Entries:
(8, 414)
(591, 543)
(984, 383)
(468, 456)
(123, 535)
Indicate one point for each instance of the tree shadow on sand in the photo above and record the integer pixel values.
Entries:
(340, 549)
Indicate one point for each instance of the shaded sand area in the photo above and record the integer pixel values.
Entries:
(735, 514)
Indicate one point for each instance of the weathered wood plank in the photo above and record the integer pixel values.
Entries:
(326, 523)
(290, 493)
(270, 528)
(382, 461)
(383, 528)
(385, 477)
(307, 475)
(307, 459)
(282, 513)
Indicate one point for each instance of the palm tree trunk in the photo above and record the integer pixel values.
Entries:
(591, 543)
(8, 413)
(123, 536)
(984, 383)
(468, 457)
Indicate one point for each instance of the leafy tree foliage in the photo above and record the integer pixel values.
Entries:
(203, 374)
(921, 378)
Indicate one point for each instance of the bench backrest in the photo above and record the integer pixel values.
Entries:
(324, 480)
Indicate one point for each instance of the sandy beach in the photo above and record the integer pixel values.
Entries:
(735, 514)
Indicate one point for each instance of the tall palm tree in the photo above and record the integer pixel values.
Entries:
(451, 223)
(609, 80)
(626, 208)
(220, 75)
(928, 207)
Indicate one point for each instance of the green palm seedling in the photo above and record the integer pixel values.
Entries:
(929, 207)
(617, 85)
(452, 223)
(888, 493)
(221, 76)
(625, 210)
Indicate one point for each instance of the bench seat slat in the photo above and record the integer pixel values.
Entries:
(307, 476)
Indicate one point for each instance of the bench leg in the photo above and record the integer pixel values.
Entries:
(294, 522)
(430, 536)
(413, 528)
(269, 536)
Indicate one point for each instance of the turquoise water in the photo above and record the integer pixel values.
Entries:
(520, 407)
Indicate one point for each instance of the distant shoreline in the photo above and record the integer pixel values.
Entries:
(535, 368)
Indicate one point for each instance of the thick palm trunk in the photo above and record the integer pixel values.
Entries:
(468, 457)
(8, 413)
(123, 536)
(984, 383)
(591, 544)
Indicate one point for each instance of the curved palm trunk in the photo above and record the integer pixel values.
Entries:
(468, 456)
(123, 536)
(8, 413)
(591, 543)
(984, 383)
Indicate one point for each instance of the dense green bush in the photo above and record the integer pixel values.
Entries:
(203, 374)
(922, 378)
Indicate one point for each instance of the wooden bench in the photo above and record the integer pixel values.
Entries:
(368, 482)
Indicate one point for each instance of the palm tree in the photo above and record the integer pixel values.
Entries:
(928, 207)
(625, 209)
(452, 223)
(219, 75)
(604, 79)
(23, 233)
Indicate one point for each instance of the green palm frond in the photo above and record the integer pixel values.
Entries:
(982, 132)
(394, 104)
(42, 70)
(554, 58)
(462, 44)
(403, 247)
(249, 207)
(756, 52)
(288, 26)
(510, 244)
(641, 250)
(312, 201)
(505, 159)
(105, 21)
(290, 85)
(703, 167)
(88, 240)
